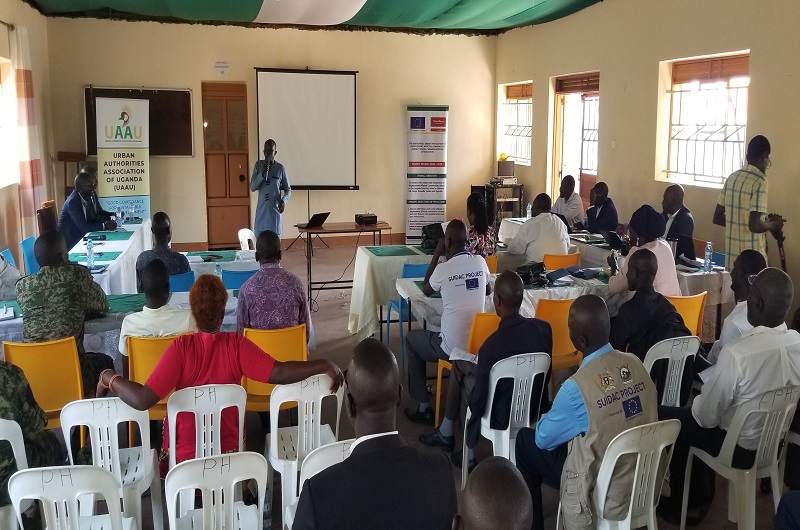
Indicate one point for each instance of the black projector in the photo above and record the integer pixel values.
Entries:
(366, 219)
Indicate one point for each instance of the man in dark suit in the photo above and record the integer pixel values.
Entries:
(384, 483)
(82, 212)
(602, 215)
(680, 223)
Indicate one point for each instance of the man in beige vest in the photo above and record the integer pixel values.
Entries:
(610, 392)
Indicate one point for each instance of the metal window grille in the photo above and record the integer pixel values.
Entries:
(589, 143)
(707, 130)
(517, 123)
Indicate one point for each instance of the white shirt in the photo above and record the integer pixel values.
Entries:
(462, 281)
(670, 218)
(370, 437)
(666, 281)
(734, 326)
(161, 322)
(540, 235)
(763, 359)
(571, 209)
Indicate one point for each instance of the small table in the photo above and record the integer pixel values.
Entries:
(331, 229)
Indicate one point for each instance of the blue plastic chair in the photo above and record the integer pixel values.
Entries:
(410, 270)
(31, 265)
(235, 279)
(179, 283)
(8, 256)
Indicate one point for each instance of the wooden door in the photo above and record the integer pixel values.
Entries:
(226, 162)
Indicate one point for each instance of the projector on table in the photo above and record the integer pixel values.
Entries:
(366, 219)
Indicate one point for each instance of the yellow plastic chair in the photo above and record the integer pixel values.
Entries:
(288, 344)
(483, 325)
(553, 262)
(53, 371)
(556, 312)
(691, 310)
(491, 262)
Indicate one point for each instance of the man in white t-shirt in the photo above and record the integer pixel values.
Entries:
(157, 318)
(569, 203)
(463, 281)
(544, 233)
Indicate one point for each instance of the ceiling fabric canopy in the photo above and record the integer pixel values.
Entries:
(480, 15)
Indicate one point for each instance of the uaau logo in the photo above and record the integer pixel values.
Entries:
(123, 131)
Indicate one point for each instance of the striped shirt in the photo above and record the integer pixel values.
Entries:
(745, 191)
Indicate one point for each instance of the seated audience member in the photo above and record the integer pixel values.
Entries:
(8, 280)
(544, 233)
(384, 483)
(495, 498)
(82, 213)
(176, 262)
(765, 358)
(747, 265)
(569, 203)
(788, 515)
(157, 318)
(57, 300)
(209, 357)
(463, 281)
(273, 298)
(568, 444)
(17, 403)
(481, 235)
(648, 317)
(603, 215)
(645, 229)
(680, 223)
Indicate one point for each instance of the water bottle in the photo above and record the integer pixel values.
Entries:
(217, 270)
(90, 253)
(529, 211)
(708, 264)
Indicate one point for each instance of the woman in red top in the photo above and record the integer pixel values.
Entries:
(482, 238)
(208, 357)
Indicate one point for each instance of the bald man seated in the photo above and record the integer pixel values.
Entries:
(763, 359)
(384, 483)
(569, 204)
(495, 498)
(544, 233)
(176, 262)
(680, 222)
(82, 212)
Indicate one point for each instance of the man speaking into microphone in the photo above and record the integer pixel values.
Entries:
(270, 181)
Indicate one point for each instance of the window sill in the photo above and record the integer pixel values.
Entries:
(664, 177)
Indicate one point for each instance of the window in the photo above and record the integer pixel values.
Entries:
(708, 119)
(516, 119)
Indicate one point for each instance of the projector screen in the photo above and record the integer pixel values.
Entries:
(311, 115)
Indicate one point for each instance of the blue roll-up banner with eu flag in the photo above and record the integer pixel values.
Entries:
(426, 173)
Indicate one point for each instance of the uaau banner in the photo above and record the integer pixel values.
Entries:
(123, 155)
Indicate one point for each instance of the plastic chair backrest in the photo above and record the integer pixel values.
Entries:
(180, 283)
(235, 279)
(287, 344)
(776, 410)
(31, 265)
(218, 478)
(556, 313)
(414, 270)
(144, 354)
(553, 262)
(691, 310)
(245, 237)
(647, 442)
(52, 369)
(102, 416)
(483, 325)
(8, 256)
(308, 394)
(59, 489)
(11, 432)
(676, 351)
(324, 457)
(206, 403)
(491, 263)
(523, 369)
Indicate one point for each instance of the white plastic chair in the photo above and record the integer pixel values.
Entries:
(316, 461)
(245, 237)
(136, 468)
(288, 447)
(676, 351)
(523, 369)
(11, 432)
(59, 489)
(218, 478)
(775, 409)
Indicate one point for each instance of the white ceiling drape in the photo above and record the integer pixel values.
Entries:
(311, 12)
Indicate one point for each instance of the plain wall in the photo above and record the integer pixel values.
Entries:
(395, 70)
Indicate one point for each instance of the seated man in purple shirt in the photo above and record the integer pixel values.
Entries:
(272, 298)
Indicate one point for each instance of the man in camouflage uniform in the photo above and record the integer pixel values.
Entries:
(42, 447)
(57, 300)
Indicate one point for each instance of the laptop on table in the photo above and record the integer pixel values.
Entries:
(317, 220)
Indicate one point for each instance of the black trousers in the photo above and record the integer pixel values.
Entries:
(788, 515)
(538, 466)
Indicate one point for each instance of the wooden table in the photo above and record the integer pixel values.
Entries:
(331, 229)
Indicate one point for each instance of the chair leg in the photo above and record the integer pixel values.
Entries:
(156, 499)
(687, 481)
(777, 486)
(437, 397)
(746, 501)
(402, 345)
(388, 322)
(465, 453)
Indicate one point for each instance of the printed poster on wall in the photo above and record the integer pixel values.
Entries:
(123, 156)
(426, 174)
